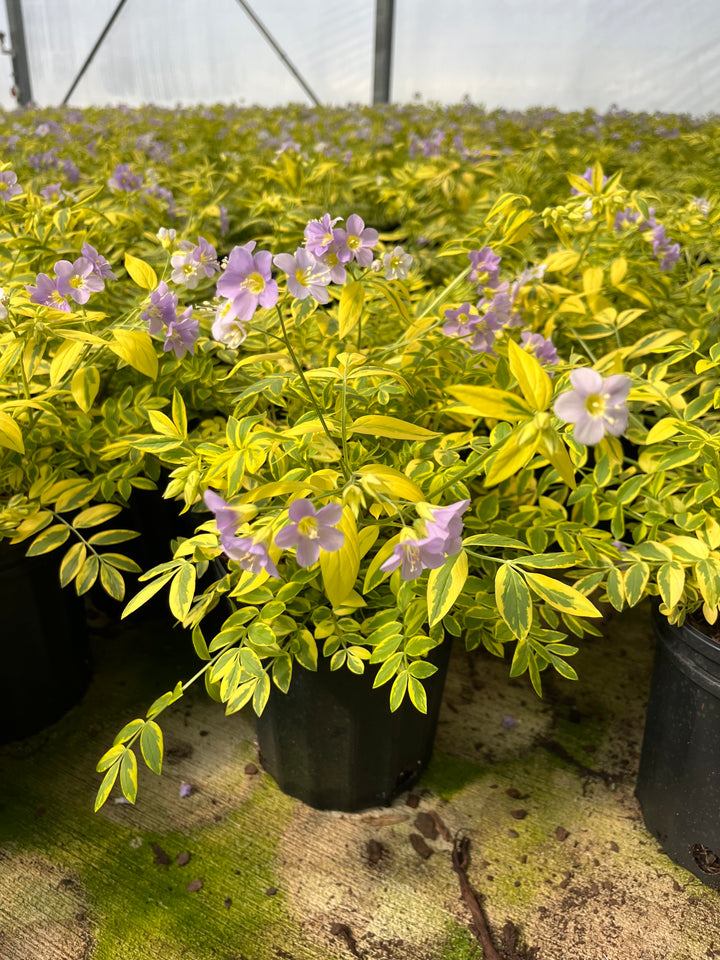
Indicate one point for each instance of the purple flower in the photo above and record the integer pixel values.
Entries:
(397, 264)
(484, 261)
(415, 556)
(185, 790)
(483, 337)
(307, 276)
(101, 267)
(250, 554)
(70, 170)
(53, 192)
(446, 525)
(619, 546)
(319, 234)
(77, 279)
(205, 255)
(594, 405)
(47, 294)
(311, 530)
(9, 187)
(331, 259)
(628, 215)
(356, 241)
(667, 253)
(124, 180)
(509, 722)
(162, 310)
(543, 349)
(460, 322)
(182, 333)
(247, 281)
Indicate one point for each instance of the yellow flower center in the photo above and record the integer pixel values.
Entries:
(396, 263)
(353, 242)
(255, 284)
(327, 238)
(302, 277)
(331, 259)
(188, 269)
(57, 298)
(3, 185)
(77, 282)
(595, 405)
(307, 527)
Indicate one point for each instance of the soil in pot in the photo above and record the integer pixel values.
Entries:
(333, 743)
(679, 777)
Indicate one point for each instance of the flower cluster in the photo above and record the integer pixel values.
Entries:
(78, 280)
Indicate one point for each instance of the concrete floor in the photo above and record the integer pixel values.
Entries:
(543, 789)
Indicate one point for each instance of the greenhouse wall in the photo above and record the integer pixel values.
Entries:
(647, 55)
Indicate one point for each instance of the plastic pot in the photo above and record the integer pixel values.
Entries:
(333, 743)
(45, 654)
(679, 778)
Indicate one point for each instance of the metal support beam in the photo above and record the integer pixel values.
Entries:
(279, 51)
(91, 55)
(21, 70)
(384, 17)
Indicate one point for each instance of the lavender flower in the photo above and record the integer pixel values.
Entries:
(594, 405)
(46, 293)
(542, 348)
(484, 261)
(247, 281)
(124, 180)
(446, 525)
(319, 234)
(101, 267)
(78, 279)
(162, 310)
(250, 554)
(415, 556)
(307, 276)
(310, 531)
(205, 256)
(397, 264)
(185, 790)
(460, 322)
(9, 187)
(182, 333)
(356, 241)
(667, 253)
(53, 192)
(70, 170)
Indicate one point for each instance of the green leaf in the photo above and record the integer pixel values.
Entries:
(388, 669)
(164, 701)
(107, 784)
(112, 581)
(87, 575)
(49, 539)
(84, 387)
(198, 640)
(445, 585)
(128, 776)
(350, 307)
(10, 434)
(417, 693)
(93, 516)
(151, 746)
(182, 591)
(146, 593)
(142, 273)
(513, 600)
(110, 757)
(636, 578)
(398, 690)
(129, 731)
(671, 582)
(107, 538)
(615, 588)
(561, 596)
(261, 694)
(71, 563)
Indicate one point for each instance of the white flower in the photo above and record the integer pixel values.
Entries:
(397, 264)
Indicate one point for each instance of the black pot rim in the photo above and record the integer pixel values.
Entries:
(695, 653)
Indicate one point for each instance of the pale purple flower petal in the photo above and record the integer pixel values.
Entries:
(310, 531)
(594, 405)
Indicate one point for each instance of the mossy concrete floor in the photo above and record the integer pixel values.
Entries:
(542, 788)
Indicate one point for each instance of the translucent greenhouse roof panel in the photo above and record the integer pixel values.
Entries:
(641, 55)
(189, 51)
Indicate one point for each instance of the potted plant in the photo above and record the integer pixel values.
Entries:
(341, 488)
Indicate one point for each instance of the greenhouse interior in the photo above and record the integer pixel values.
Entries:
(359, 480)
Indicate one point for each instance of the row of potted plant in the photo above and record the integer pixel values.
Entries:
(383, 446)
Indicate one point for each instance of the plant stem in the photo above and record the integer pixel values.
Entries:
(308, 390)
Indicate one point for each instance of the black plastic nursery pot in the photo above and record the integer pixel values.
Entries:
(333, 743)
(45, 654)
(679, 778)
